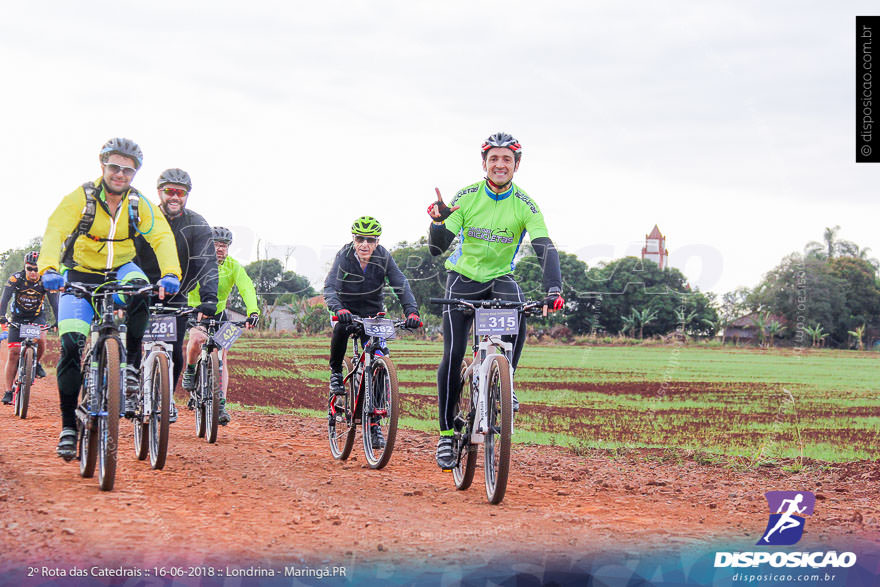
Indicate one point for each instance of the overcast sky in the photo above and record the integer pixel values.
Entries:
(728, 124)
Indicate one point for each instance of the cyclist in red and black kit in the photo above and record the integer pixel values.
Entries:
(26, 291)
(490, 219)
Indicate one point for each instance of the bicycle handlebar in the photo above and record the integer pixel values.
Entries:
(359, 320)
(524, 307)
(80, 289)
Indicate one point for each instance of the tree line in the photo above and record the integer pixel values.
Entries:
(829, 294)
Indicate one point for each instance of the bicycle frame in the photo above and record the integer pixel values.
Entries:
(482, 362)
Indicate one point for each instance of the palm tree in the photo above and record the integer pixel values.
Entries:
(760, 322)
(859, 334)
(643, 318)
(826, 249)
(685, 318)
(629, 324)
(774, 328)
(816, 334)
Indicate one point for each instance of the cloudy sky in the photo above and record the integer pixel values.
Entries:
(728, 124)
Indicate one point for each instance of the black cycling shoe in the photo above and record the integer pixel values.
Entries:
(40, 372)
(377, 440)
(337, 386)
(7, 397)
(67, 444)
(223, 418)
(132, 386)
(189, 378)
(445, 453)
(514, 401)
(172, 414)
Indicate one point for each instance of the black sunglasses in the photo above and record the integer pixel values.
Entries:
(365, 239)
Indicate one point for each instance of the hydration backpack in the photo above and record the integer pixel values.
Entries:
(88, 218)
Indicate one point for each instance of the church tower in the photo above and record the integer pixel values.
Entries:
(655, 248)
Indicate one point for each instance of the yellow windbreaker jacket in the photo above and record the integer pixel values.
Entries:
(94, 256)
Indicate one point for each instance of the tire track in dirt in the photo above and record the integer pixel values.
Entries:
(270, 491)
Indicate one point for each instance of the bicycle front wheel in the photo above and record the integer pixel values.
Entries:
(24, 385)
(340, 419)
(463, 472)
(109, 376)
(160, 392)
(497, 440)
(213, 391)
(380, 422)
(141, 424)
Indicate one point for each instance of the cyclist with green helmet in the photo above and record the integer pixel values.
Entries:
(355, 285)
(490, 219)
(232, 274)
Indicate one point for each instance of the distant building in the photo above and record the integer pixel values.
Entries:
(655, 248)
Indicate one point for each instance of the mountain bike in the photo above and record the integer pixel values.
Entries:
(27, 366)
(153, 413)
(209, 368)
(485, 407)
(371, 397)
(100, 406)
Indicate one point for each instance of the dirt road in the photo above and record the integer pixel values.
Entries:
(269, 492)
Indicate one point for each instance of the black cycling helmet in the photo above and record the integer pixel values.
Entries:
(502, 139)
(366, 226)
(31, 258)
(176, 176)
(222, 234)
(124, 147)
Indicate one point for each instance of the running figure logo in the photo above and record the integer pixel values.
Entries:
(786, 525)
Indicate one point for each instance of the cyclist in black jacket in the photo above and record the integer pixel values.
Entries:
(195, 251)
(355, 285)
(27, 293)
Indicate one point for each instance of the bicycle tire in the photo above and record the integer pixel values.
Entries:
(463, 472)
(200, 399)
(161, 415)
(341, 425)
(109, 377)
(141, 428)
(212, 404)
(388, 423)
(496, 462)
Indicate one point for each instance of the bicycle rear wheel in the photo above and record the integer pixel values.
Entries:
(500, 417)
(160, 391)
(109, 376)
(463, 472)
(340, 419)
(213, 392)
(383, 416)
(22, 398)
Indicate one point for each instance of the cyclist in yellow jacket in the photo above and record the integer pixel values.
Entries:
(89, 239)
(232, 274)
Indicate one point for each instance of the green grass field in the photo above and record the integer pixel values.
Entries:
(758, 405)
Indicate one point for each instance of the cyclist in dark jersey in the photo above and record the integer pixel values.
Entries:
(490, 219)
(26, 291)
(355, 285)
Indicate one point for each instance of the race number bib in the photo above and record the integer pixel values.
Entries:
(381, 327)
(29, 331)
(226, 335)
(161, 329)
(496, 321)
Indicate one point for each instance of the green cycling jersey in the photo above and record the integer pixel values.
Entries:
(232, 274)
(490, 229)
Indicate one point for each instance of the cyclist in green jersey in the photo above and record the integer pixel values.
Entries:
(490, 219)
(232, 274)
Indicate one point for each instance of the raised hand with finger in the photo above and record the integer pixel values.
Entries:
(438, 210)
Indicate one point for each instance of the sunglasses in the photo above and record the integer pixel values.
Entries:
(30, 268)
(366, 239)
(174, 192)
(125, 169)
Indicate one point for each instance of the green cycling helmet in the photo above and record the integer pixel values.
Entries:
(366, 226)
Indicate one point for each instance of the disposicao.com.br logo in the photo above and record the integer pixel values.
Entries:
(784, 528)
